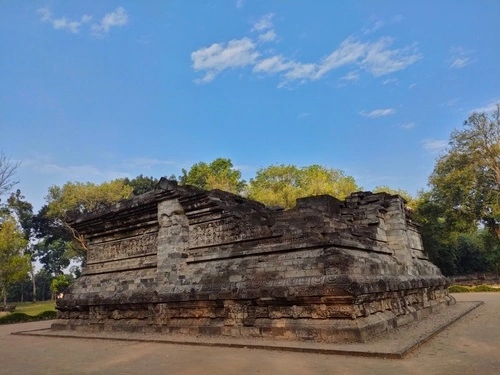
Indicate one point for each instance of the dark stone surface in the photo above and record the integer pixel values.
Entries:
(181, 259)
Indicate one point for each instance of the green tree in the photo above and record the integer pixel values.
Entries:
(59, 284)
(219, 174)
(54, 240)
(276, 185)
(466, 179)
(464, 196)
(317, 180)
(451, 249)
(75, 198)
(14, 266)
(43, 281)
(22, 211)
(281, 185)
(20, 291)
(141, 184)
(7, 174)
(54, 254)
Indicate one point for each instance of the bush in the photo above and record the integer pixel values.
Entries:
(47, 315)
(485, 288)
(458, 289)
(478, 288)
(21, 317)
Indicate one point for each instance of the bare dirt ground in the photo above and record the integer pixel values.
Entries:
(470, 346)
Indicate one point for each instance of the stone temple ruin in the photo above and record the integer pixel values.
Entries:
(184, 260)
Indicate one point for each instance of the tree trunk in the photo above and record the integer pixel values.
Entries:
(32, 271)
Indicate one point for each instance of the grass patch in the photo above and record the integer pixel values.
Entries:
(458, 289)
(468, 289)
(30, 312)
(33, 309)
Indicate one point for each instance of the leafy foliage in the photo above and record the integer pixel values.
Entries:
(466, 179)
(14, 265)
(22, 290)
(464, 196)
(86, 197)
(54, 254)
(281, 185)
(22, 210)
(80, 198)
(141, 184)
(17, 317)
(219, 174)
(59, 284)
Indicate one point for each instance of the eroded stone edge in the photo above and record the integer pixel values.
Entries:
(401, 354)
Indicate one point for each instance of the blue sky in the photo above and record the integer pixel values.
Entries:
(95, 90)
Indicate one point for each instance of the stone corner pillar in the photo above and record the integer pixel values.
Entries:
(173, 241)
(397, 231)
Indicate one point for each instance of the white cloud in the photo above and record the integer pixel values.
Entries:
(488, 108)
(268, 36)
(264, 23)
(272, 64)
(83, 172)
(450, 103)
(375, 57)
(63, 23)
(304, 114)
(460, 57)
(380, 60)
(374, 27)
(378, 113)
(237, 53)
(461, 62)
(116, 18)
(148, 163)
(300, 71)
(265, 26)
(412, 86)
(45, 14)
(350, 51)
(434, 145)
(351, 76)
(208, 77)
(390, 80)
(240, 3)
(407, 126)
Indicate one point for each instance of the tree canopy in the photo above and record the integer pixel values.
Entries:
(464, 198)
(141, 184)
(83, 198)
(219, 174)
(466, 179)
(7, 174)
(281, 185)
(14, 266)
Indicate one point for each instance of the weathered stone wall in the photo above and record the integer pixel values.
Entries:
(181, 259)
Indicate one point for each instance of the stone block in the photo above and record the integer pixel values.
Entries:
(187, 261)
